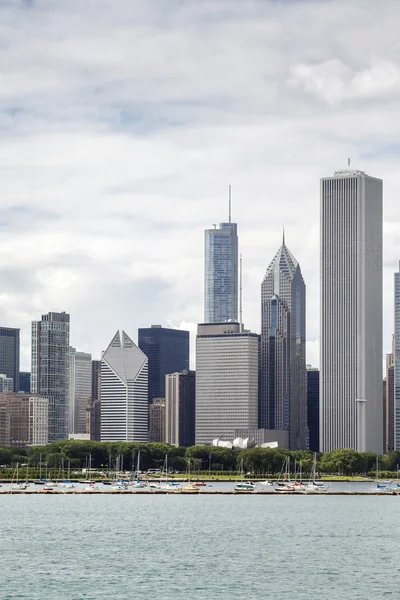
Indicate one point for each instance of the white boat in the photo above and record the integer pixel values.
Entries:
(382, 483)
(312, 485)
(266, 483)
(16, 485)
(138, 483)
(243, 486)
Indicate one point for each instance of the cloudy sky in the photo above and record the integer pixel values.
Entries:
(123, 122)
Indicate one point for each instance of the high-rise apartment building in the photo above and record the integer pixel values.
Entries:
(167, 351)
(313, 407)
(50, 372)
(180, 408)
(221, 273)
(124, 405)
(80, 389)
(351, 312)
(226, 381)
(283, 398)
(396, 352)
(23, 420)
(9, 354)
(157, 420)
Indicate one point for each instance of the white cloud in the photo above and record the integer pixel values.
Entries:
(123, 124)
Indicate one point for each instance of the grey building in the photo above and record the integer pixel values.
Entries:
(283, 397)
(80, 390)
(313, 407)
(180, 408)
(9, 354)
(226, 381)
(351, 312)
(221, 273)
(96, 371)
(167, 351)
(396, 352)
(50, 371)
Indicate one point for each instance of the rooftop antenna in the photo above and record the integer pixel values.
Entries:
(229, 204)
(283, 237)
(240, 296)
(348, 163)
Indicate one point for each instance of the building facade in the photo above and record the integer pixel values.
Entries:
(351, 312)
(9, 354)
(24, 382)
(80, 389)
(23, 420)
(124, 405)
(157, 420)
(313, 407)
(96, 374)
(180, 408)
(396, 351)
(6, 383)
(167, 351)
(389, 403)
(226, 381)
(221, 274)
(50, 369)
(283, 397)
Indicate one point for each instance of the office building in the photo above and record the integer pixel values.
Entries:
(50, 372)
(96, 373)
(313, 407)
(167, 351)
(180, 408)
(221, 273)
(226, 381)
(351, 312)
(24, 382)
(6, 383)
(283, 398)
(396, 352)
(157, 420)
(123, 392)
(389, 403)
(23, 420)
(9, 354)
(80, 389)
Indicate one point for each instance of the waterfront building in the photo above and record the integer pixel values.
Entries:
(180, 408)
(80, 389)
(396, 352)
(313, 407)
(351, 312)
(283, 397)
(157, 420)
(123, 391)
(221, 273)
(24, 382)
(50, 372)
(23, 419)
(389, 403)
(9, 354)
(167, 351)
(226, 381)
(6, 383)
(278, 438)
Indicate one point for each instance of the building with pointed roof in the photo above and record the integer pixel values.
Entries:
(124, 380)
(283, 376)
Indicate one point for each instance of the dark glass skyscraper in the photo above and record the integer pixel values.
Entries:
(221, 274)
(9, 354)
(313, 407)
(283, 397)
(167, 351)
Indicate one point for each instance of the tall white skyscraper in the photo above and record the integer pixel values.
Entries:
(226, 381)
(80, 389)
(124, 379)
(351, 312)
(396, 357)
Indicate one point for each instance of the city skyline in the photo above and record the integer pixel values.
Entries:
(130, 154)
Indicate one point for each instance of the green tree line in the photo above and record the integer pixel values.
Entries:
(258, 461)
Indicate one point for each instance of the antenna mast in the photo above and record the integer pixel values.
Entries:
(229, 204)
(240, 296)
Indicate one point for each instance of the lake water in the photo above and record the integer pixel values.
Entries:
(165, 547)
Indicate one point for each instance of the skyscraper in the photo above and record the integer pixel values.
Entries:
(313, 407)
(23, 420)
(167, 350)
(180, 408)
(396, 352)
(351, 312)
(9, 354)
(50, 372)
(226, 381)
(283, 397)
(221, 273)
(80, 389)
(124, 405)
(389, 403)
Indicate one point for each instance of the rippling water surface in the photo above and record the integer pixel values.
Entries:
(166, 547)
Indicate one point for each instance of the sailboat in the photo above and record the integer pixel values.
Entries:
(382, 485)
(286, 485)
(189, 487)
(138, 484)
(166, 485)
(18, 486)
(243, 486)
(312, 485)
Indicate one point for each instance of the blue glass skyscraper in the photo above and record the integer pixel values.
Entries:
(221, 273)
